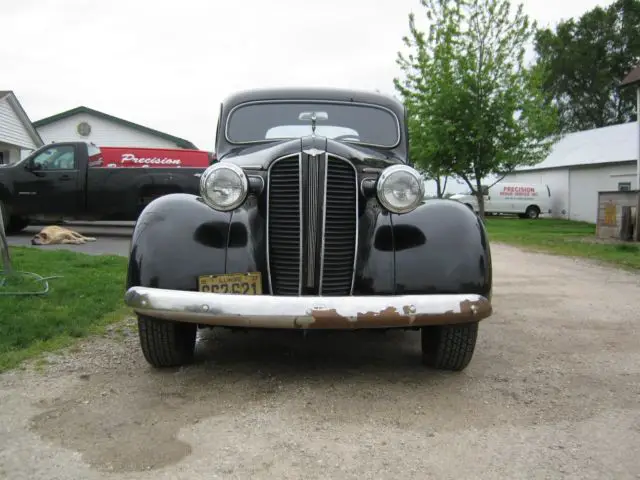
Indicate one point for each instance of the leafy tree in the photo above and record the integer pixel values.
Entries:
(476, 110)
(586, 59)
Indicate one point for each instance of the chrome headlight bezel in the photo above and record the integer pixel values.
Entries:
(205, 185)
(386, 175)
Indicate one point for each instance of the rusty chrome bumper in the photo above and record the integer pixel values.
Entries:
(267, 311)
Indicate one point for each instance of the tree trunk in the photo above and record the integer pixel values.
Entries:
(480, 198)
(438, 188)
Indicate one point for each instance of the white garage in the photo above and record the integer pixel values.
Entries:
(582, 164)
(18, 137)
(83, 123)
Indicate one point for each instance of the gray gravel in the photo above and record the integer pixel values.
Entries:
(552, 392)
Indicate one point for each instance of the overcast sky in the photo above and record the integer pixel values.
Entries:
(168, 64)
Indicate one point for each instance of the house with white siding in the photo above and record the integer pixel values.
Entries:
(18, 137)
(581, 164)
(86, 124)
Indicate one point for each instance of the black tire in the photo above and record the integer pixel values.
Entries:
(5, 216)
(16, 224)
(166, 343)
(532, 212)
(449, 347)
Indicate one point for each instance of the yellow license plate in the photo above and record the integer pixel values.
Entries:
(239, 283)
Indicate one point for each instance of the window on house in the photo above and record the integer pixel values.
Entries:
(624, 186)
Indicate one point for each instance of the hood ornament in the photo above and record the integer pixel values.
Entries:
(314, 117)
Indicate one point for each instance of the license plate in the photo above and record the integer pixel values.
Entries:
(239, 283)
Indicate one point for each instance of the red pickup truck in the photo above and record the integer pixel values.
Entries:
(81, 181)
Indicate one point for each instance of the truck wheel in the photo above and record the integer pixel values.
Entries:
(5, 216)
(166, 343)
(532, 212)
(449, 347)
(16, 224)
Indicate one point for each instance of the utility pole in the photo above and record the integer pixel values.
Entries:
(633, 79)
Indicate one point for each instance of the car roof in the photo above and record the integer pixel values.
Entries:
(315, 93)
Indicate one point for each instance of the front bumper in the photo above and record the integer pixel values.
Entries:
(348, 312)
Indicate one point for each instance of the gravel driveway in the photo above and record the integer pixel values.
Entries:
(552, 392)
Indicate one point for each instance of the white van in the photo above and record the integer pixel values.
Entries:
(527, 200)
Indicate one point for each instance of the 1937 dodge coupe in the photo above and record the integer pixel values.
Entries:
(312, 218)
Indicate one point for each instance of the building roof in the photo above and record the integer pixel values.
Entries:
(181, 142)
(632, 78)
(616, 143)
(22, 115)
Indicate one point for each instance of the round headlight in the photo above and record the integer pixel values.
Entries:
(224, 186)
(400, 189)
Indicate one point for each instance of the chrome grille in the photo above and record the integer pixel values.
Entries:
(284, 226)
(322, 217)
(340, 228)
(313, 205)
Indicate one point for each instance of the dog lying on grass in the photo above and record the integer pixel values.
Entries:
(53, 235)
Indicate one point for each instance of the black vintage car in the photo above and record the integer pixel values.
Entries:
(313, 218)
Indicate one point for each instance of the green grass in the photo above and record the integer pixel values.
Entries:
(87, 298)
(563, 237)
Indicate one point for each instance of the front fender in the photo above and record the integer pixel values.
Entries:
(246, 245)
(375, 260)
(441, 247)
(176, 238)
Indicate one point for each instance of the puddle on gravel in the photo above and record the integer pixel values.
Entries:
(129, 427)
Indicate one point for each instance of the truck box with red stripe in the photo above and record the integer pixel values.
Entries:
(132, 157)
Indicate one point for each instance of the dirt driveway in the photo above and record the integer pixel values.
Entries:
(552, 392)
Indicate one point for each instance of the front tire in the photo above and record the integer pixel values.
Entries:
(17, 224)
(449, 347)
(532, 212)
(166, 343)
(5, 216)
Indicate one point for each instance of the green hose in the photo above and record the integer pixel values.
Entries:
(8, 271)
(4, 276)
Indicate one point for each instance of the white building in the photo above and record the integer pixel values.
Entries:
(582, 164)
(17, 136)
(84, 123)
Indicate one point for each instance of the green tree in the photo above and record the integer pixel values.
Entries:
(419, 94)
(586, 59)
(476, 109)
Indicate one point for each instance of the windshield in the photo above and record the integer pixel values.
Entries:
(365, 124)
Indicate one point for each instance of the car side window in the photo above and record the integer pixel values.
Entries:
(56, 158)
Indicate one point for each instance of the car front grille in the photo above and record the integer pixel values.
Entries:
(340, 228)
(312, 221)
(283, 224)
